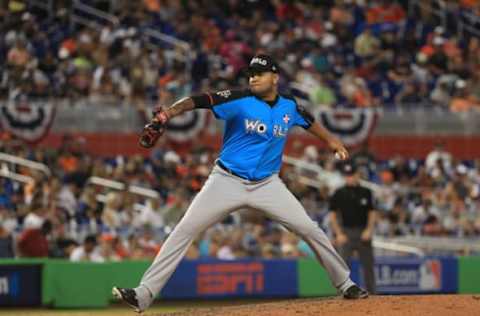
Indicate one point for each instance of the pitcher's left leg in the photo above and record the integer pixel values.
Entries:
(281, 205)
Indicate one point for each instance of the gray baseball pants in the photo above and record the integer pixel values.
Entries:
(222, 194)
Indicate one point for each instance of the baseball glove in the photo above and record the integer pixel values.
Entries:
(153, 130)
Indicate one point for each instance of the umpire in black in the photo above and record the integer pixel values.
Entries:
(353, 219)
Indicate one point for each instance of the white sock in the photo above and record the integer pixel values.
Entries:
(345, 285)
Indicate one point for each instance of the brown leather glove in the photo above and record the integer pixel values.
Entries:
(153, 130)
(150, 134)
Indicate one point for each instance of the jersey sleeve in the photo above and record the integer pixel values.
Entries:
(221, 102)
(303, 118)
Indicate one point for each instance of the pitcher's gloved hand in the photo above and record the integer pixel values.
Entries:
(150, 134)
(159, 115)
(153, 130)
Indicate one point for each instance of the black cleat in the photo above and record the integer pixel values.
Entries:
(355, 292)
(127, 295)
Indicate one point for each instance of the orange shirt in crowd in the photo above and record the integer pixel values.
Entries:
(468, 3)
(392, 13)
(362, 98)
(152, 5)
(459, 104)
(68, 163)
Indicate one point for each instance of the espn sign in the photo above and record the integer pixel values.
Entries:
(10, 285)
(20, 285)
(230, 278)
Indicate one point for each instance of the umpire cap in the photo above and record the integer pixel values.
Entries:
(262, 63)
(348, 168)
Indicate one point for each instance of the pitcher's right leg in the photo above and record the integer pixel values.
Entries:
(220, 195)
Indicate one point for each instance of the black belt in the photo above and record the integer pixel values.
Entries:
(221, 165)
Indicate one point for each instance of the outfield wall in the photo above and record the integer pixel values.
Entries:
(63, 284)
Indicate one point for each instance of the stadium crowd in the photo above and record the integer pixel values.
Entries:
(67, 216)
(350, 53)
(338, 53)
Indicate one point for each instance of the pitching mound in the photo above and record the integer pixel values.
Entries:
(408, 305)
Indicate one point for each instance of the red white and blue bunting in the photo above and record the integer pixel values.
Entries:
(27, 120)
(352, 126)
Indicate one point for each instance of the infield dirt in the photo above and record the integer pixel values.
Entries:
(406, 305)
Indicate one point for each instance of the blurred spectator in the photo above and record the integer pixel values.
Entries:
(147, 244)
(67, 197)
(341, 53)
(225, 251)
(108, 248)
(463, 100)
(112, 215)
(321, 93)
(89, 251)
(150, 214)
(438, 155)
(33, 242)
(6, 243)
(412, 201)
(399, 219)
(47, 57)
(366, 44)
(36, 217)
(385, 11)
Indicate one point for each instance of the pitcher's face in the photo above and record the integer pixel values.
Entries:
(262, 83)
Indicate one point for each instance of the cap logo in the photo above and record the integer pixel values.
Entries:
(257, 60)
(224, 93)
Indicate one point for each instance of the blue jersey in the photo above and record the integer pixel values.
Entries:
(255, 131)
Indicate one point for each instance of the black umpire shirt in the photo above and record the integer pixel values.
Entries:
(352, 204)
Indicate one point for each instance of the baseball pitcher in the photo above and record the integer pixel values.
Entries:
(257, 120)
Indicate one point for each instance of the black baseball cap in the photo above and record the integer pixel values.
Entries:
(348, 169)
(262, 63)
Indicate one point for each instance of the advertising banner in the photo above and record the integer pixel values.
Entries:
(468, 274)
(20, 285)
(412, 275)
(239, 278)
(313, 280)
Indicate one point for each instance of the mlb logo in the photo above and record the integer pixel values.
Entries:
(431, 275)
(286, 118)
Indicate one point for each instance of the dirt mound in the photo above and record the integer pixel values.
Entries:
(405, 305)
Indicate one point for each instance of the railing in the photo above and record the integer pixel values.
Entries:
(322, 174)
(116, 185)
(389, 245)
(47, 5)
(5, 173)
(429, 7)
(168, 39)
(87, 15)
(120, 186)
(90, 16)
(439, 244)
(24, 162)
(466, 21)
